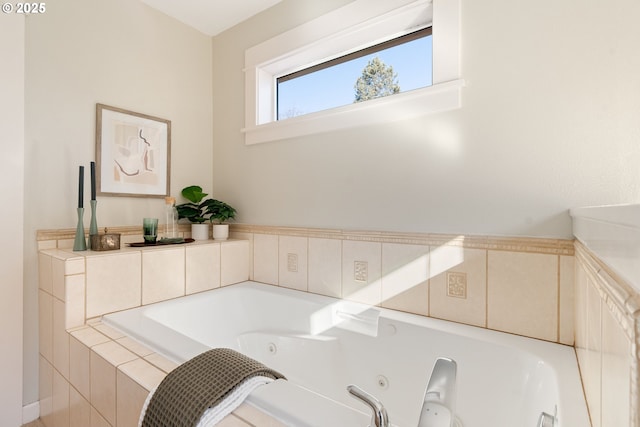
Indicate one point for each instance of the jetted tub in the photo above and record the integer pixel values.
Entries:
(323, 344)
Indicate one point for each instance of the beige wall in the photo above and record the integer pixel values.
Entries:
(12, 190)
(120, 53)
(548, 122)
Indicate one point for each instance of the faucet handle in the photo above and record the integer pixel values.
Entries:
(379, 417)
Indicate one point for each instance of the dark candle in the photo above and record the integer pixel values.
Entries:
(93, 180)
(81, 187)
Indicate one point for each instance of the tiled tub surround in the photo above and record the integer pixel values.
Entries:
(517, 285)
(607, 298)
(90, 375)
(607, 342)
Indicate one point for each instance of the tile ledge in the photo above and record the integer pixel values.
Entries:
(506, 243)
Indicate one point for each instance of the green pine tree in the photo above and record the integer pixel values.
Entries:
(377, 80)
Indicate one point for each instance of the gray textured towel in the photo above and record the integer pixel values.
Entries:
(198, 384)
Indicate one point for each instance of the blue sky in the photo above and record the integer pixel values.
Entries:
(334, 86)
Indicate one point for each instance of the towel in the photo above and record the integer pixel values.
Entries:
(205, 389)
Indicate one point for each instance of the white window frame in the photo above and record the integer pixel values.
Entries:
(353, 27)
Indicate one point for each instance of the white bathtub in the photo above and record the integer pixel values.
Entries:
(322, 344)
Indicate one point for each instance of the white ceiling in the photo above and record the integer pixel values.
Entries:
(211, 16)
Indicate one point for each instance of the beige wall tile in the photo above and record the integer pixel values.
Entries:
(45, 325)
(248, 237)
(108, 331)
(616, 372)
(113, 353)
(523, 294)
(45, 386)
(130, 238)
(162, 274)
(79, 410)
(591, 368)
(292, 262)
(325, 267)
(405, 277)
(60, 339)
(130, 399)
(89, 336)
(47, 244)
(79, 372)
(202, 267)
(134, 346)
(98, 420)
(265, 258)
(113, 283)
(74, 266)
(57, 269)
(580, 311)
(74, 298)
(234, 262)
(566, 333)
(45, 272)
(458, 287)
(103, 388)
(362, 271)
(143, 373)
(161, 362)
(60, 400)
(232, 421)
(65, 243)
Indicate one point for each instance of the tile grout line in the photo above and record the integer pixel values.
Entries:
(558, 304)
(486, 288)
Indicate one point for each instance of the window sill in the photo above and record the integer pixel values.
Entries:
(433, 99)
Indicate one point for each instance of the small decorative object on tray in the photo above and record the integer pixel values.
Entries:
(105, 242)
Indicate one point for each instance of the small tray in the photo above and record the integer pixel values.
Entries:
(158, 243)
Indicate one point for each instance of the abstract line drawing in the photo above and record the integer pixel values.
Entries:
(132, 153)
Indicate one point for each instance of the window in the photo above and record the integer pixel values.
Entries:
(355, 27)
(403, 62)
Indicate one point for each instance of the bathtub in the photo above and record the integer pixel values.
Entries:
(322, 344)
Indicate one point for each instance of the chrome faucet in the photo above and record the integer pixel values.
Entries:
(438, 406)
(379, 417)
(547, 420)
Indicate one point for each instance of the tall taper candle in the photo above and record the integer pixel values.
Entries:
(81, 187)
(93, 180)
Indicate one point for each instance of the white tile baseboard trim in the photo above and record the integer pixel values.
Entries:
(30, 412)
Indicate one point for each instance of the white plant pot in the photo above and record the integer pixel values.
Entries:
(200, 231)
(220, 231)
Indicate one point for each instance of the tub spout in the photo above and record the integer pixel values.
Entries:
(438, 407)
(379, 417)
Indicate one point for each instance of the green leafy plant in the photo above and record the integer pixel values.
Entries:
(199, 209)
(221, 212)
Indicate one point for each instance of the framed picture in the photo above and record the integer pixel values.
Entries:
(133, 153)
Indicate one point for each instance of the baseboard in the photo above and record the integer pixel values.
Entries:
(30, 412)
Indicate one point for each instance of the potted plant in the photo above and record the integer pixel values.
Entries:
(220, 213)
(200, 210)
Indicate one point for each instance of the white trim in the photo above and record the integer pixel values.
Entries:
(30, 412)
(436, 98)
(350, 28)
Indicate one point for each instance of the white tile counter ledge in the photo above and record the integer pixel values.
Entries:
(132, 276)
(613, 234)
